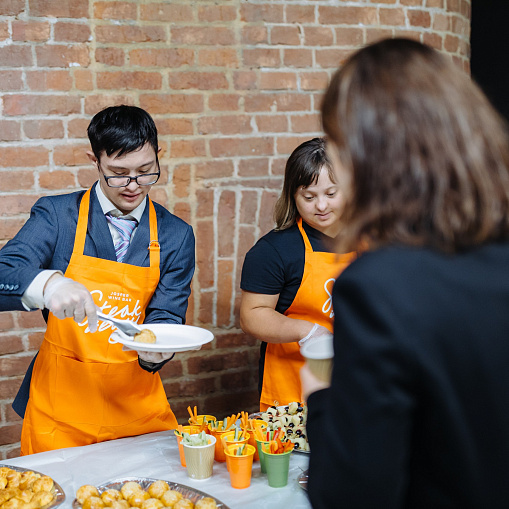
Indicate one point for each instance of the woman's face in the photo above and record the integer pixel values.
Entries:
(319, 204)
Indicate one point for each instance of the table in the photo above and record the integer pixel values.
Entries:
(156, 455)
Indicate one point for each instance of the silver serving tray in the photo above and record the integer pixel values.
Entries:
(57, 489)
(187, 492)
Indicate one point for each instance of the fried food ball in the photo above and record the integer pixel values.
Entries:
(129, 488)
(158, 488)
(206, 503)
(185, 503)
(4, 471)
(120, 504)
(27, 478)
(13, 503)
(7, 494)
(13, 478)
(152, 503)
(137, 498)
(86, 491)
(110, 496)
(145, 336)
(41, 498)
(26, 496)
(171, 497)
(3, 482)
(45, 483)
(93, 503)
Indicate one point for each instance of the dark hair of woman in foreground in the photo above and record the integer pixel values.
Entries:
(426, 154)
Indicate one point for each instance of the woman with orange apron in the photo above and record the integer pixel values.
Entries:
(75, 366)
(288, 275)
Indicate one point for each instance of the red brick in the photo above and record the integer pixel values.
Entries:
(26, 31)
(83, 79)
(226, 124)
(86, 177)
(214, 169)
(12, 7)
(122, 80)
(392, 16)
(70, 154)
(285, 35)
(332, 58)
(241, 379)
(347, 36)
(377, 34)
(293, 57)
(10, 80)
(225, 361)
(77, 127)
(49, 80)
(236, 147)
(347, 15)
(254, 34)
(129, 34)
(43, 129)
(170, 58)
(72, 32)
(10, 345)
(226, 228)
(245, 80)
(432, 39)
(59, 8)
(261, 12)
(300, 13)
(305, 123)
(10, 415)
(161, 12)
(249, 201)
(174, 126)
(460, 26)
(174, 103)
(14, 365)
(181, 180)
(57, 179)
(192, 387)
(197, 80)
(29, 156)
(277, 166)
(287, 145)
(4, 31)
(204, 203)
(247, 237)
(292, 102)
(223, 102)
(318, 36)
(313, 80)
(9, 387)
(59, 55)
(205, 253)
(234, 339)
(441, 22)
(259, 102)
(10, 433)
(211, 13)
(188, 148)
(272, 123)
(451, 43)
(266, 207)
(261, 57)
(114, 10)
(419, 18)
(224, 291)
(35, 339)
(218, 57)
(202, 35)
(97, 102)
(8, 228)
(206, 303)
(10, 130)
(412, 3)
(435, 3)
(15, 56)
(110, 56)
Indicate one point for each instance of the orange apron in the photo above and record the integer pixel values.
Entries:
(85, 390)
(313, 303)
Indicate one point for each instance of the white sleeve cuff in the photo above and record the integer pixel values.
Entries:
(33, 297)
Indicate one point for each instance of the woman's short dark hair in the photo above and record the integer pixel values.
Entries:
(302, 169)
(121, 129)
(427, 154)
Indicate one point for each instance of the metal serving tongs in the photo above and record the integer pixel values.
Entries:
(128, 327)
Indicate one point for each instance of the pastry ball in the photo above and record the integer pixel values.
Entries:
(185, 503)
(129, 488)
(4, 471)
(171, 497)
(7, 494)
(206, 503)
(111, 495)
(120, 504)
(137, 498)
(85, 492)
(3, 482)
(93, 503)
(152, 503)
(41, 498)
(13, 503)
(45, 483)
(158, 488)
(27, 478)
(26, 495)
(13, 478)
(145, 336)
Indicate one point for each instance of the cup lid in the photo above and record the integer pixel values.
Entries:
(318, 348)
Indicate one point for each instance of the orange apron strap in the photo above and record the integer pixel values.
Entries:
(154, 247)
(81, 228)
(307, 244)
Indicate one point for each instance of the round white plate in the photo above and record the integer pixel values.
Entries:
(170, 337)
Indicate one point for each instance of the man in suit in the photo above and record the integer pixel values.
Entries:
(110, 247)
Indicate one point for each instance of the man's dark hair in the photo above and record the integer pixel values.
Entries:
(121, 129)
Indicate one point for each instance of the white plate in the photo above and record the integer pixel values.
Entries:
(171, 337)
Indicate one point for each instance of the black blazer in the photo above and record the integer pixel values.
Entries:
(417, 415)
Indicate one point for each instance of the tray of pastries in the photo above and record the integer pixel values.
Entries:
(22, 488)
(143, 493)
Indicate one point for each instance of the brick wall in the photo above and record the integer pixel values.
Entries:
(234, 87)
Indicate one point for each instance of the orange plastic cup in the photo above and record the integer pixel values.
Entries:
(186, 429)
(200, 419)
(240, 466)
(228, 438)
(260, 425)
(219, 451)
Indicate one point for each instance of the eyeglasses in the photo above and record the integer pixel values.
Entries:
(147, 179)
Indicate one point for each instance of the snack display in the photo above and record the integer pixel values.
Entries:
(291, 419)
(145, 336)
(21, 488)
(144, 493)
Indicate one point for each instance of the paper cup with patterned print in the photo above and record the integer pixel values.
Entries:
(200, 459)
(319, 355)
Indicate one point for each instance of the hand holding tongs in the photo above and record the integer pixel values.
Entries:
(128, 327)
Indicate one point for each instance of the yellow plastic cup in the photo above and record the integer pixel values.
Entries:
(228, 438)
(218, 433)
(240, 466)
(200, 418)
(186, 429)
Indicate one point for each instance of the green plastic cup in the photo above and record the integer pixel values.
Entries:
(277, 466)
(262, 458)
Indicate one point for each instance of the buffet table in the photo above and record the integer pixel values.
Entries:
(155, 455)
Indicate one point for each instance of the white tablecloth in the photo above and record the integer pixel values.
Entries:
(155, 455)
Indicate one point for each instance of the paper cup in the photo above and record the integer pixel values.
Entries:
(277, 466)
(319, 355)
(259, 444)
(200, 459)
(240, 466)
(186, 429)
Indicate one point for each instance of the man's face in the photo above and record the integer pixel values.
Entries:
(132, 164)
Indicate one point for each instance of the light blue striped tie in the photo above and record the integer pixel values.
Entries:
(125, 228)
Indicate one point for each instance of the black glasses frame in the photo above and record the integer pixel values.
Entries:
(130, 179)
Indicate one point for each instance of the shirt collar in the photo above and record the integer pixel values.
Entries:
(108, 207)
